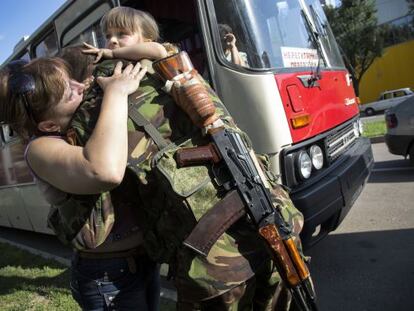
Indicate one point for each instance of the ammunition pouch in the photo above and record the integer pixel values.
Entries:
(189, 194)
(82, 221)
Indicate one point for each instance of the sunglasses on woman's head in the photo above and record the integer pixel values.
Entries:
(21, 84)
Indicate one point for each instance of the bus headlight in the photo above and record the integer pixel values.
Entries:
(304, 164)
(356, 129)
(360, 126)
(316, 156)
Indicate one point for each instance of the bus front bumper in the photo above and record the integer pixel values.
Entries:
(325, 203)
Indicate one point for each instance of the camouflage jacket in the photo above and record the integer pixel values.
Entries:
(169, 201)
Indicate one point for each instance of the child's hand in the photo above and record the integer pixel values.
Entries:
(126, 82)
(100, 53)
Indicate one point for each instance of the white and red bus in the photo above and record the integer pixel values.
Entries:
(293, 96)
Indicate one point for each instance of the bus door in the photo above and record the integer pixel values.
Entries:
(21, 204)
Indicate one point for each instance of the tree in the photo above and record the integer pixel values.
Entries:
(394, 34)
(354, 24)
(411, 5)
(411, 9)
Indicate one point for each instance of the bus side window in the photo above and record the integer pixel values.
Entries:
(74, 28)
(93, 35)
(2, 140)
(7, 133)
(25, 56)
(48, 46)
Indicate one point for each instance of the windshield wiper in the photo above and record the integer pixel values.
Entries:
(314, 37)
(321, 27)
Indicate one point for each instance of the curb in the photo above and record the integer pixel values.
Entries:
(63, 261)
(377, 139)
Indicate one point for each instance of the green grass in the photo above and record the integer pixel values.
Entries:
(374, 129)
(30, 282)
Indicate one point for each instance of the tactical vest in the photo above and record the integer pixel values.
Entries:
(171, 200)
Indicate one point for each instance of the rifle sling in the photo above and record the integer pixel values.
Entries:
(218, 219)
(141, 121)
(215, 222)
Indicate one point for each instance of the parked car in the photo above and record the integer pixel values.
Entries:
(400, 129)
(386, 100)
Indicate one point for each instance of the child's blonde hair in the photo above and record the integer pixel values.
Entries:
(132, 20)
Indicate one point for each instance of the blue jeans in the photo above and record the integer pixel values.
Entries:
(109, 284)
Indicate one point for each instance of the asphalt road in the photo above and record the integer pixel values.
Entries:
(367, 264)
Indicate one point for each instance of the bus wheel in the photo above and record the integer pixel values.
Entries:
(369, 111)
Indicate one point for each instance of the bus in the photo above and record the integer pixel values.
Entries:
(292, 95)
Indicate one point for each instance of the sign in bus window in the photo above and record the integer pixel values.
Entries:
(299, 57)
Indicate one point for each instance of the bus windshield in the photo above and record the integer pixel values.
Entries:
(275, 34)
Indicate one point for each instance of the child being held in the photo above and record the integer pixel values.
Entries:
(131, 34)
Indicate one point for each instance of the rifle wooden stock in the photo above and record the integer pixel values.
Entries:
(191, 94)
(172, 66)
(300, 265)
(280, 254)
(194, 99)
(197, 155)
(292, 268)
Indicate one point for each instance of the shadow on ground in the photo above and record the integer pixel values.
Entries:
(392, 171)
(365, 271)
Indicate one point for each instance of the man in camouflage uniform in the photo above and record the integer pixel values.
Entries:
(238, 273)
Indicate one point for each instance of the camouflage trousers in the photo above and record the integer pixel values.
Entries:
(263, 292)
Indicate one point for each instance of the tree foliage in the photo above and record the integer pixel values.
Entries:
(411, 9)
(394, 34)
(354, 24)
(411, 5)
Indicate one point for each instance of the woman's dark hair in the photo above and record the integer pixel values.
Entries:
(81, 65)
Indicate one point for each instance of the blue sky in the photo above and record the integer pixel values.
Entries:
(22, 17)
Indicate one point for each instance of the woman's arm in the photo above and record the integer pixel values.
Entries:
(100, 165)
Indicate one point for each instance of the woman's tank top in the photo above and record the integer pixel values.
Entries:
(50, 193)
(124, 235)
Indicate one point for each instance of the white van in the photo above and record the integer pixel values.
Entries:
(387, 100)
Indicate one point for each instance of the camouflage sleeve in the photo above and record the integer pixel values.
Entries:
(84, 221)
(84, 119)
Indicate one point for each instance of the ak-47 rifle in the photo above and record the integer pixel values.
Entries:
(244, 175)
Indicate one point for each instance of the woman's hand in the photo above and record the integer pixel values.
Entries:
(126, 81)
(100, 53)
(88, 82)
